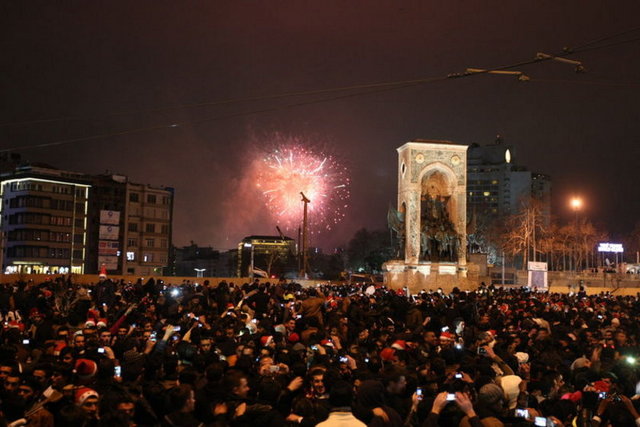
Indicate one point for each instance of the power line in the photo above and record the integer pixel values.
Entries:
(376, 88)
(225, 101)
(566, 52)
(193, 122)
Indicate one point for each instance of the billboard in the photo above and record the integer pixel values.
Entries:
(610, 247)
(110, 262)
(537, 275)
(110, 217)
(106, 247)
(109, 232)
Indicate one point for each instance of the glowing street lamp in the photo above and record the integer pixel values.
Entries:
(576, 204)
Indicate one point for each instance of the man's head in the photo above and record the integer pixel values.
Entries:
(430, 338)
(105, 338)
(183, 398)
(394, 381)
(206, 345)
(236, 383)
(40, 376)
(341, 394)
(317, 382)
(5, 371)
(78, 342)
(11, 384)
(87, 400)
(28, 389)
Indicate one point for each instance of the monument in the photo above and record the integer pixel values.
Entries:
(429, 224)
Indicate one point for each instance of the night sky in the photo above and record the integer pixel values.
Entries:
(91, 62)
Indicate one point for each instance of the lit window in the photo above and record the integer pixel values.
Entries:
(131, 256)
(486, 194)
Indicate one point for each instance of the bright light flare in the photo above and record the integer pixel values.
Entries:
(289, 170)
(576, 203)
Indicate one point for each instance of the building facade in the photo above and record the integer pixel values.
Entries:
(58, 222)
(272, 254)
(496, 185)
(147, 229)
(43, 220)
(201, 261)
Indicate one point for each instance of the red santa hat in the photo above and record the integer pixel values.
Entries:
(446, 336)
(399, 345)
(83, 393)
(294, 337)
(58, 347)
(86, 368)
(388, 354)
(102, 323)
(266, 340)
(326, 343)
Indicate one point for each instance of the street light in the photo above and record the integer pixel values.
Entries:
(200, 272)
(576, 205)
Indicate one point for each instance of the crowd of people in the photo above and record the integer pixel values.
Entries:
(117, 353)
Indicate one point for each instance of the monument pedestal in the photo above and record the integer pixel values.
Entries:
(426, 276)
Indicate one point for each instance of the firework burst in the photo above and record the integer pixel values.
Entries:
(291, 169)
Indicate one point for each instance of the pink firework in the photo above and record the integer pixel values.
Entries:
(287, 171)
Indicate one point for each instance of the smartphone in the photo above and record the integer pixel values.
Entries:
(540, 422)
(458, 375)
(25, 342)
(117, 371)
(444, 328)
(274, 368)
(482, 350)
(176, 329)
(314, 347)
(344, 359)
(100, 350)
(522, 413)
(254, 320)
(153, 336)
(451, 397)
(602, 395)
(366, 360)
(419, 393)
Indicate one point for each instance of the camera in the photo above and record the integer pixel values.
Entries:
(274, 368)
(451, 397)
(522, 413)
(482, 350)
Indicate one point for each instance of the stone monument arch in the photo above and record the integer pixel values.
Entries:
(432, 182)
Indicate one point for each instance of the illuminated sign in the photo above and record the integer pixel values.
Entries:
(610, 247)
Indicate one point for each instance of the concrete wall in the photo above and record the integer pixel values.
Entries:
(94, 278)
